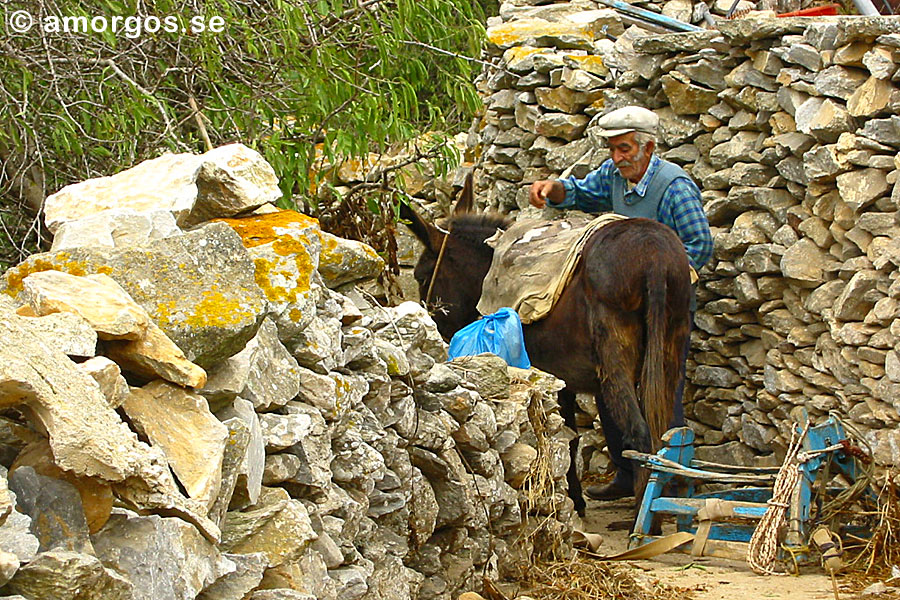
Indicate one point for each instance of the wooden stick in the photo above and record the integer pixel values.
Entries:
(200, 124)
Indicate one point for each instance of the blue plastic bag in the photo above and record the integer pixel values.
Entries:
(499, 333)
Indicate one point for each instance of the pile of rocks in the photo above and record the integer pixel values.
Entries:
(199, 402)
(789, 125)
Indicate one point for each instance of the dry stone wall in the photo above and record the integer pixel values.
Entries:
(790, 127)
(203, 405)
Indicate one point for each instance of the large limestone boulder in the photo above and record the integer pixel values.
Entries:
(346, 261)
(98, 299)
(685, 97)
(155, 355)
(194, 188)
(855, 302)
(115, 228)
(824, 119)
(167, 182)
(232, 179)
(86, 435)
(538, 32)
(199, 287)
(277, 526)
(806, 264)
(870, 98)
(65, 575)
(192, 438)
(862, 187)
(162, 557)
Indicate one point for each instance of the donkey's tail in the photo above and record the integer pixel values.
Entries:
(656, 402)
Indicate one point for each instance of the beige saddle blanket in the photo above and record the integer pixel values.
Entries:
(533, 262)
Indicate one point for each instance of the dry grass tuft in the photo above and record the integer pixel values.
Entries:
(553, 571)
(882, 550)
(584, 578)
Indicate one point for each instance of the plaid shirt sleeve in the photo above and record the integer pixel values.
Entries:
(591, 194)
(682, 210)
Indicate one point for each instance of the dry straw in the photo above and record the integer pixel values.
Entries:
(585, 578)
(555, 572)
(881, 551)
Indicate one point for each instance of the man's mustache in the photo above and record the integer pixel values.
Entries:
(630, 163)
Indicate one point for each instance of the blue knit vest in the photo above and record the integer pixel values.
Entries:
(633, 205)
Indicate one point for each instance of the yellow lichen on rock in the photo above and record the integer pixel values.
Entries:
(343, 260)
(522, 52)
(61, 261)
(213, 310)
(216, 310)
(591, 63)
(283, 231)
(518, 32)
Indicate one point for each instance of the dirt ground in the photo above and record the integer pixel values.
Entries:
(716, 579)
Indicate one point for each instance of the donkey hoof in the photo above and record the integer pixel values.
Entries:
(610, 491)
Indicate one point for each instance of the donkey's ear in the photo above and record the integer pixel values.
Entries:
(427, 233)
(465, 201)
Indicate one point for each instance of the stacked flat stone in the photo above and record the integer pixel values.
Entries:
(222, 413)
(798, 303)
(789, 126)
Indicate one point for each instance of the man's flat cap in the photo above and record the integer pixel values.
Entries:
(626, 120)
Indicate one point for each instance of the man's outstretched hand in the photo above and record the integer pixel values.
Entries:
(546, 189)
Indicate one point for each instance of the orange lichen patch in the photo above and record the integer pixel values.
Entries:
(295, 315)
(262, 229)
(213, 310)
(277, 279)
(515, 32)
(590, 63)
(598, 104)
(61, 261)
(522, 52)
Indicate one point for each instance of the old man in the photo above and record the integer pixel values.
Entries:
(634, 182)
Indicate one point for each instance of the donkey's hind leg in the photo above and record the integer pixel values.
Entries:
(617, 345)
(566, 399)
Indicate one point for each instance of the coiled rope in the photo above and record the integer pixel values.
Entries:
(763, 548)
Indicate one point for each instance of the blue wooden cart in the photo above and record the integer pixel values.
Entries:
(723, 522)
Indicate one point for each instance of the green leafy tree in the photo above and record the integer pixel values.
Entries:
(95, 86)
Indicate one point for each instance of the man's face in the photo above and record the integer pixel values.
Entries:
(629, 157)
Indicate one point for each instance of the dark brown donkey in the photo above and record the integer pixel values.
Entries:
(616, 332)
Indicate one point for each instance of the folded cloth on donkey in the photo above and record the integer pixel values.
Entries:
(533, 262)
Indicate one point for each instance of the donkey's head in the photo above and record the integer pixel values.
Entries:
(454, 261)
